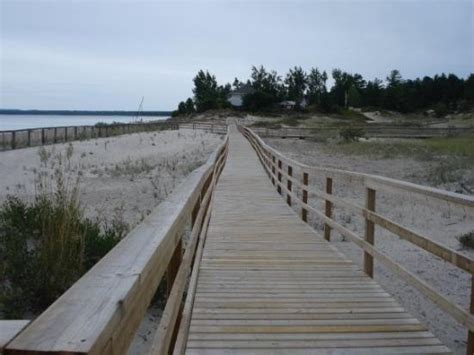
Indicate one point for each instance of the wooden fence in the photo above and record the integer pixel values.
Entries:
(291, 181)
(208, 127)
(101, 312)
(369, 131)
(31, 137)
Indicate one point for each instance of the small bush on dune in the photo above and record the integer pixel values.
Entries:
(47, 244)
(467, 240)
(351, 134)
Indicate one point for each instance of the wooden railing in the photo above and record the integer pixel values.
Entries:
(31, 137)
(369, 131)
(216, 128)
(282, 172)
(101, 312)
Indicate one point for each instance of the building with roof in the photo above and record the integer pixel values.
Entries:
(236, 97)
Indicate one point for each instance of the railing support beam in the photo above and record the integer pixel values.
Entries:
(328, 209)
(369, 232)
(279, 176)
(288, 185)
(173, 266)
(304, 212)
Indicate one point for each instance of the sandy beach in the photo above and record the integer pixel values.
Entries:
(120, 177)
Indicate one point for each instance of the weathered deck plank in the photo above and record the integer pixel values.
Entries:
(269, 284)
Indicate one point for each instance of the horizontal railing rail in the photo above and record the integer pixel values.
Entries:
(281, 171)
(369, 131)
(216, 128)
(101, 312)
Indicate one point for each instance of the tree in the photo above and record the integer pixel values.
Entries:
(296, 81)
(342, 83)
(182, 108)
(394, 92)
(469, 89)
(354, 97)
(267, 90)
(373, 93)
(236, 84)
(189, 106)
(205, 91)
(316, 85)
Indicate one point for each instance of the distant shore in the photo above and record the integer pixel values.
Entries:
(83, 112)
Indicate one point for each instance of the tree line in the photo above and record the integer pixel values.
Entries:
(310, 91)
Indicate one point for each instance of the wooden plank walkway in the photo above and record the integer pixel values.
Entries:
(269, 284)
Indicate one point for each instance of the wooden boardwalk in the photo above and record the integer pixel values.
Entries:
(267, 283)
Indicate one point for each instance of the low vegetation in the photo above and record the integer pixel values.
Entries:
(351, 134)
(420, 149)
(467, 240)
(47, 244)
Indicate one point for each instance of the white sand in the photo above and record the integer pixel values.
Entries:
(440, 222)
(123, 177)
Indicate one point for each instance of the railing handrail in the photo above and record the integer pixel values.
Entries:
(272, 161)
(101, 311)
(370, 179)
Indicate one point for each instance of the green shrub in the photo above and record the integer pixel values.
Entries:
(441, 109)
(467, 240)
(47, 244)
(351, 134)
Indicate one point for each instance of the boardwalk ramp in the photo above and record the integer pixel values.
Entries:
(267, 283)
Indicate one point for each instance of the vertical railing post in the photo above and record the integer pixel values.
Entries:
(288, 185)
(304, 211)
(369, 232)
(273, 170)
(55, 135)
(173, 266)
(328, 209)
(13, 142)
(28, 142)
(470, 335)
(75, 133)
(279, 176)
(43, 138)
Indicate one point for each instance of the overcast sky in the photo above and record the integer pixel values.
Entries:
(81, 54)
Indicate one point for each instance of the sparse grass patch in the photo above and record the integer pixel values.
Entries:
(131, 167)
(351, 134)
(467, 239)
(267, 124)
(47, 244)
(460, 146)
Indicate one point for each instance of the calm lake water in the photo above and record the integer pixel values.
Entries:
(11, 122)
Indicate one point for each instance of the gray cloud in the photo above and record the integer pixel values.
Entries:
(108, 54)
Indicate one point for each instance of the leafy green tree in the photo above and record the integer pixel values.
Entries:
(236, 84)
(296, 81)
(394, 92)
(354, 97)
(189, 106)
(205, 91)
(469, 89)
(182, 108)
(373, 93)
(343, 81)
(316, 85)
(268, 89)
